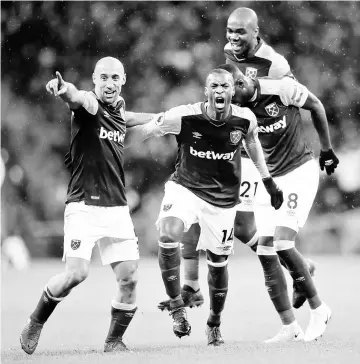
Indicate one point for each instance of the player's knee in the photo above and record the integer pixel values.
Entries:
(171, 230)
(128, 283)
(76, 275)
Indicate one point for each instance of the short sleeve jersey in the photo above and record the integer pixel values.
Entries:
(279, 124)
(265, 61)
(96, 157)
(208, 161)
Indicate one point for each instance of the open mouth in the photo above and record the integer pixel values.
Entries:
(219, 102)
(109, 93)
(237, 47)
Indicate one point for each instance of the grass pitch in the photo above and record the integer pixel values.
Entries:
(76, 331)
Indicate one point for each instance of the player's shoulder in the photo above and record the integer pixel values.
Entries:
(279, 64)
(278, 86)
(186, 109)
(243, 112)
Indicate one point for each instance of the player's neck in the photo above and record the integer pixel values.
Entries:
(215, 115)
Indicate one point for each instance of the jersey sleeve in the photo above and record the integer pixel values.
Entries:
(249, 115)
(290, 91)
(279, 67)
(90, 104)
(171, 124)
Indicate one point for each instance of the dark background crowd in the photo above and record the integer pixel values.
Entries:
(167, 49)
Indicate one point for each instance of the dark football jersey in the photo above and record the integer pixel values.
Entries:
(279, 124)
(96, 155)
(208, 161)
(264, 61)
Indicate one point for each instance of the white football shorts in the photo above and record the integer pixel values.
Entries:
(216, 223)
(299, 187)
(250, 181)
(110, 227)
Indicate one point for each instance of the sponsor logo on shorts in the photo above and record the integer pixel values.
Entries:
(210, 154)
(167, 207)
(235, 136)
(280, 124)
(75, 244)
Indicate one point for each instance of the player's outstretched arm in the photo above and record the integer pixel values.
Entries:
(139, 133)
(66, 90)
(328, 159)
(137, 118)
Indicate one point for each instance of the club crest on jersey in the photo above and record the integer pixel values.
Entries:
(272, 109)
(251, 72)
(167, 207)
(75, 244)
(235, 136)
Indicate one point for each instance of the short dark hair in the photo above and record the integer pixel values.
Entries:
(219, 71)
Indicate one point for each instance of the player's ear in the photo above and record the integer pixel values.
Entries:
(124, 79)
(206, 91)
(93, 77)
(256, 33)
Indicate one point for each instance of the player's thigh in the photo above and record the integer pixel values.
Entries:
(299, 187)
(244, 225)
(250, 181)
(80, 232)
(217, 229)
(118, 241)
(178, 204)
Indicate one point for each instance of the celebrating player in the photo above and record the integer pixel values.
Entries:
(204, 189)
(254, 58)
(96, 208)
(276, 104)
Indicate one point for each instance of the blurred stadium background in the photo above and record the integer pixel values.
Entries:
(167, 49)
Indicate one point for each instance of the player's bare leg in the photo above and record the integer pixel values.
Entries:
(218, 278)
(245, 231)
(58, 287)
(171, 231)
(284, 243)
(275, 283)
(123, 306)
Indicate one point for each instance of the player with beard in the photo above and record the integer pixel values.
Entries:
(96, 208)
(254, 58)
(204, 189)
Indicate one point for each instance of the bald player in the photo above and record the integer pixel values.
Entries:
(96, 208)
(251, 55)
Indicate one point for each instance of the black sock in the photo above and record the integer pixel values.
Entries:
(120, 320)
(218, 287)
(275, 282)
(45, 307)
(169, 262)
(299, 271)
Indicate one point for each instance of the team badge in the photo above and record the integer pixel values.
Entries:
(272, 109)
(75, 244)
(235, 136)
(251, 72)
(167, 207)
